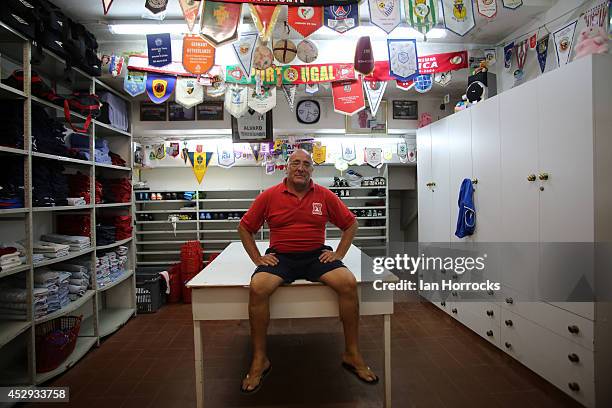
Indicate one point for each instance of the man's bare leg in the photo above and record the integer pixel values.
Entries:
(262, 286)
(342, 281)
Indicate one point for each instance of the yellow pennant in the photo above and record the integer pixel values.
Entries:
(319, 152)
(199, 163)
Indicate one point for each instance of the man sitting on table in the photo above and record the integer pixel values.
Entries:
(297, 211)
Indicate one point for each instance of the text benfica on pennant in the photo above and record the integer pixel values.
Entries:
(292, 74)
(428, 64)
(297, 2)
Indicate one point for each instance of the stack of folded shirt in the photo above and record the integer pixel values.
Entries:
(79, 281)
(76, 242)
(117, 190)
(105, 234)
(122, 225)
(49, 280)
(78, 185)
(47, 133)
(64, 290)
(117, 160)
(103, 271)
(13, 303)
(15, 246)
(74, 224)
(50, 249)
(49, 185)
(12, 123)
(9, 258)
(11, 183)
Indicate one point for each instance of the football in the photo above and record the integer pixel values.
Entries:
(307, 51)
(262, 58)
(285, 51)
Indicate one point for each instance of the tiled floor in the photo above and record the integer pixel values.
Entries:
(436, 363)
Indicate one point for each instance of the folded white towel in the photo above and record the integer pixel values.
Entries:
(77, 201)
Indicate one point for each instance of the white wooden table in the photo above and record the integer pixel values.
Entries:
(221, 292)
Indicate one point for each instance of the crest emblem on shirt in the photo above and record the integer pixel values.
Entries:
(317, 209)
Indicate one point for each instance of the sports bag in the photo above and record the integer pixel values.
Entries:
(20, 15)
(85, 104)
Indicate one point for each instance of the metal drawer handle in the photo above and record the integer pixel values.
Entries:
(531, 177)
(573, 357)
(454, 310)
(573, 329)
(509, 323)
(508, 345)
(574, 386)
(443, 303)
(509, 300)
(490, 333)
(491, 293)
(490, 313)
(454, 293)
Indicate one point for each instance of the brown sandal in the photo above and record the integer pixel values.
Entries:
(262, 377)
(353, 370)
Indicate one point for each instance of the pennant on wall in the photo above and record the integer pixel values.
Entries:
(564, 40)
(106, 5)
(348, 152)
(403, 59)
(225, 155)
(508, 56)
(311, 89)
(236, 99)
(404, 85)
(542, 50)
(198, 54)
(264, 18)
(219, 21)
(402, 151)
(289, 91)
(423, 83)
(597, 16)
(244, 49)
(190, 10)
(189, 92)
(135, 83)
(305, 20)
(264, 101)
(374, 91)
(521, 57)
(512, 4)
(458, 16)
(385, 14)
(422, 14)
(156, 6)
(159, 49)
(199, 163)
(364, 56)
(342, 18)
(348, 97)
(487, 8)
(373, 156)
(160, 87)
(533, 41)
(443, 78)
(319, 153)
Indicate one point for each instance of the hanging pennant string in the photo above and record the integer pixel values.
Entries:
(544, 26)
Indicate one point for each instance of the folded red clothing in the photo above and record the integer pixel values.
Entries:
(8, 250)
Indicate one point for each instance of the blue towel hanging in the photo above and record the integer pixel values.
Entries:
(466, 220)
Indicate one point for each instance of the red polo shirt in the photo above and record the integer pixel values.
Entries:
(297, 225)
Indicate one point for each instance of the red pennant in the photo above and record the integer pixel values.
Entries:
(264, 18)
(348, 97)
(305, 20)
(405, 85)
(106, 5)
(533, 41)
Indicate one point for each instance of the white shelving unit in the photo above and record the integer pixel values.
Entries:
(105, 309)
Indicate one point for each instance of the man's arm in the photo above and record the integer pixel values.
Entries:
(345, 243)
(248, 241)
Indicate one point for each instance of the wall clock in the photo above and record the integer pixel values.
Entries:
(308, 111)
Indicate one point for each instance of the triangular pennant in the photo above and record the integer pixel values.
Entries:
(199, 163)
(598, 15)
(264, 101)
(533, 41)
(219, 22)
(290, 91)
(198, 54)
(255, 150)
(341, 18)
(458, 16)
(508, 48)
(385, 14)
(305, 20)
(190, 10)
(373, 156)
(225, 155)
(348, 97)
(244, 49)
(264, 18)
(542, 50)
(564, 41)
(521, 57)
(319, 153)
(374, 91)
(106, 5)
(236, 100)
(487, 8)
(422, 15)
(135, 83)
(189, 92)
(160, 87)
(512, 4)
(403, 59)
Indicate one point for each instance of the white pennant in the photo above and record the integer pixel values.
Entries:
(312, 89)
(512, 4)
(236, 100)
(564, 40)
(373, 156)
(443, 78)
(189, 92)
(458, 16)
(487, 8)
(264, 101)
(225, 155)
(374, 91)
(244, 49)
(385, 14)
(289, 91)
(348, 152)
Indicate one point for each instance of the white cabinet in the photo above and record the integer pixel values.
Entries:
(542, 157)
(424, 180)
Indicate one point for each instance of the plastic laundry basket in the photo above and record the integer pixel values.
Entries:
(150, 290)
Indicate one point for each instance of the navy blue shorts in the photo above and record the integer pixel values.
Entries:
(300, 265)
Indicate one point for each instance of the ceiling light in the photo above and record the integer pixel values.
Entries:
(135, 29)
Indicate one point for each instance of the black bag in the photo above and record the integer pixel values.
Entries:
(20, 15)
(38, 88)
(53, 29)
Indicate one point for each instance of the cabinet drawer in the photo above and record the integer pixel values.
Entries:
(474, 316)
(564, 323)
(559, 360)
